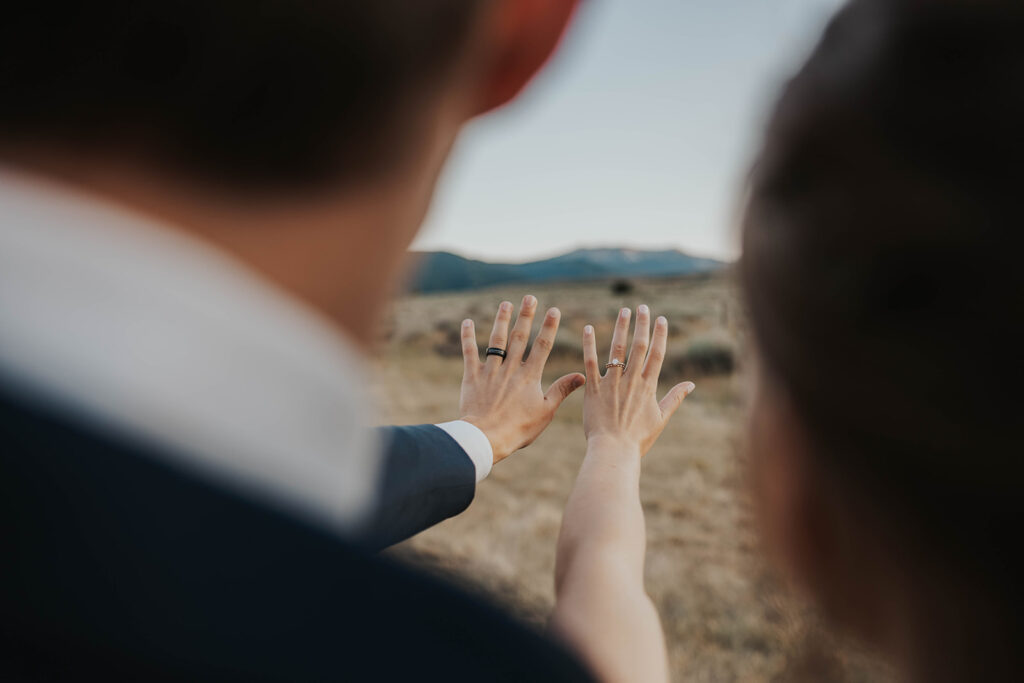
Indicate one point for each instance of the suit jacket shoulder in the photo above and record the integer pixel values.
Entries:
(119, 565)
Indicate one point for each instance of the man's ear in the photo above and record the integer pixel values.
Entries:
(521, 35)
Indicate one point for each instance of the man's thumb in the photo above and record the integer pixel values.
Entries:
(563, 386)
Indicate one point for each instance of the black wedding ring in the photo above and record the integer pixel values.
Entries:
(495, 351)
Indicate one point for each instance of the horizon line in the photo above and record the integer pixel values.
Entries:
(543, 256)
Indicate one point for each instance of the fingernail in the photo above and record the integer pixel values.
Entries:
(624, 313)
(506, 305)
(589, 329)
(662, 320)
(554, 313)
(643, 309)
(688, 387)
(467, 322)
(529, 300)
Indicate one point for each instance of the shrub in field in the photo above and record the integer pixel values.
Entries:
(564, 350)
(451, 344)
(709, 355)
(622, 287)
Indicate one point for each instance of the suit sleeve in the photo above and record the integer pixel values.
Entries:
(427, 478)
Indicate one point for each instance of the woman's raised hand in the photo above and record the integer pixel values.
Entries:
(621, 406)
(601, 606)
(503, 396)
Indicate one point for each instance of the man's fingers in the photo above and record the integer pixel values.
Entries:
(674, 398)
(562, 387)
(641, 338)
(619, 340)
(590, 354)
(470, 351)
(521, 332)
(545, 340)
(656, 355)
(499, 335)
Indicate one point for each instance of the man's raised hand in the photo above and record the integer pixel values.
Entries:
(503, 396)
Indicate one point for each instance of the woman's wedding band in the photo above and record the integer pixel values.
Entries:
(616, 363)
(495, 351)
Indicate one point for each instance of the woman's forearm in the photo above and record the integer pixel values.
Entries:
(603, 514)
(601, 605)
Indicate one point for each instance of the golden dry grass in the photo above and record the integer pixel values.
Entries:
(725, 617)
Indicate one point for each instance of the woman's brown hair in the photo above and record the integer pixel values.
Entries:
(882, 268)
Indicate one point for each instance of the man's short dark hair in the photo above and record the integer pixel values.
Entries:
(262, 93)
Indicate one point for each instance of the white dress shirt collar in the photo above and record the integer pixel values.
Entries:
(149, 332)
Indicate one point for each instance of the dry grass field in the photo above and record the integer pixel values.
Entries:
(725, 616)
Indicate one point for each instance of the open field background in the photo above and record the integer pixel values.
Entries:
(725, 616)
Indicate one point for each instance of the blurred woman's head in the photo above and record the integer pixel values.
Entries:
(882, 267)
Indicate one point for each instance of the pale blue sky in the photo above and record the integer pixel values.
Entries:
(638, 134)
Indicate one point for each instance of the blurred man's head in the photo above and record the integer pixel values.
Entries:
(214, 112)
(260, 96)
(881, 265)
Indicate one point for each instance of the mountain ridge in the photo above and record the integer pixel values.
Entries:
(442, 271)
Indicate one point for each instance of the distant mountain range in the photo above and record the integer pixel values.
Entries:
(442, 271)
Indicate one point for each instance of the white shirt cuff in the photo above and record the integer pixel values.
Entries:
(475, 443)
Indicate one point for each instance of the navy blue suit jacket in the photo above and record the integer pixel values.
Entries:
(427, 478)
(117, 565)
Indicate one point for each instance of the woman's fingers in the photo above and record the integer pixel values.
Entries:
(521, 332)
(656, 355)
(590, 354)
(641, 338)
(674, 398)
(499, 335)
(470, 351)
(545, 341)
(619, 339)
